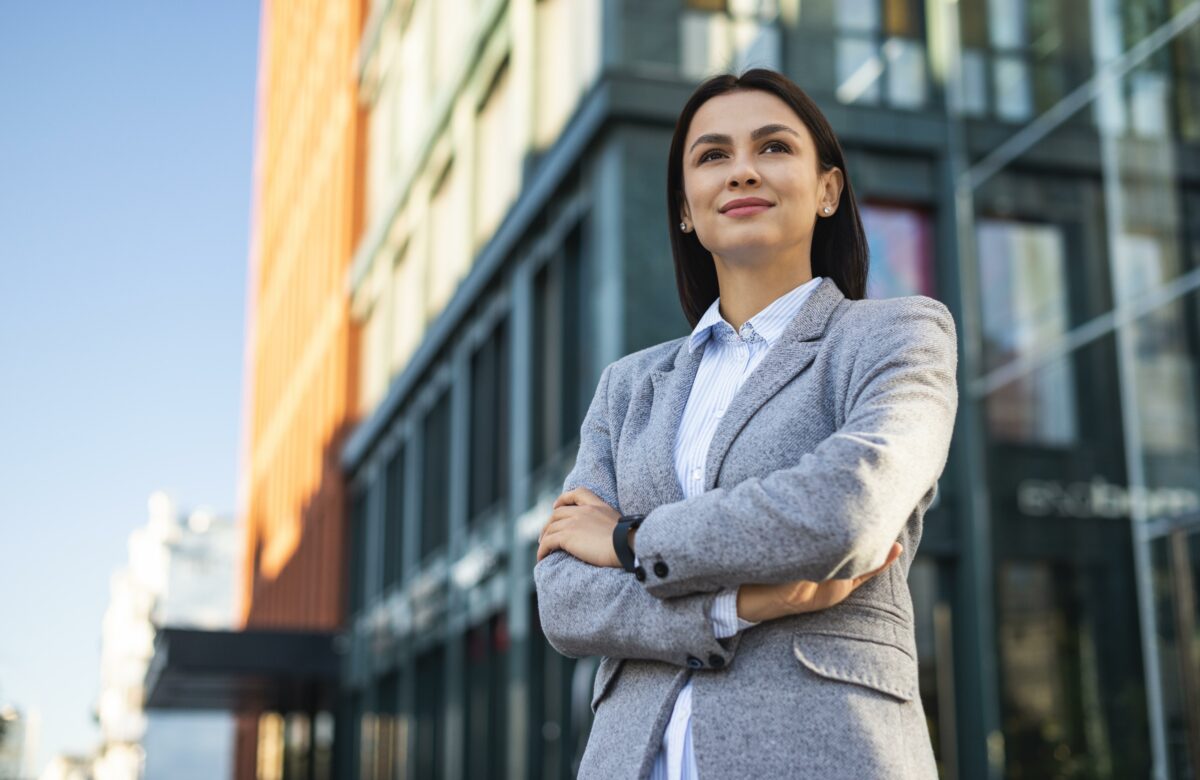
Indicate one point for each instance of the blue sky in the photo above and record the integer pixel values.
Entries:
(125, 186)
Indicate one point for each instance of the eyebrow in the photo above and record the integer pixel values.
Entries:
(718, 138)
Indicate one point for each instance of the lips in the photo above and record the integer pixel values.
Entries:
(745, 206)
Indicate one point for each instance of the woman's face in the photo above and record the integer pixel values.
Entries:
(749, 144)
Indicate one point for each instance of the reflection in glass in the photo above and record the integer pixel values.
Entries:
(858, 69)
(905, 72)
(860, 15)
(560, 715)
(901, 250)
(931, 613)
(1024, 295)
(1176, 562)
(1166, 368)
(1071, 693)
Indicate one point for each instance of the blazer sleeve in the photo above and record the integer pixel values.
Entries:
(599, 610)
(835, 513)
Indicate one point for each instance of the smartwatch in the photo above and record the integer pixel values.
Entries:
(621, 531)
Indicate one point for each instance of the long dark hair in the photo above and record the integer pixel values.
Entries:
(839, 245)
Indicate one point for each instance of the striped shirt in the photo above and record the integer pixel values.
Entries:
(730, 357)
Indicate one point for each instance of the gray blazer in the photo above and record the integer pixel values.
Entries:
(828, 453)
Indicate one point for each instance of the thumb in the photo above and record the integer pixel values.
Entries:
(893, 554)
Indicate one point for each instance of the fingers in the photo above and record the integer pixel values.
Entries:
(548, 544)
(580, 496)
(558, 515)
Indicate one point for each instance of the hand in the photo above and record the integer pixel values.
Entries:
(582, 525)
(757, 603)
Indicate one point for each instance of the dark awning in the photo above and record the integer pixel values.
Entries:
(242, 671)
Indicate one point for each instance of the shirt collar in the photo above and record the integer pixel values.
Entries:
(768, 323)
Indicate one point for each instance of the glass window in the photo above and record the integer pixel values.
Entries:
(430, 713)
(1176, 560)
(558, 315)
(393, 524)
(906, 82)
(435, 482)
(900, 242)
(452, 29)
(881, 46)
(408, 306)
(490, 367)
(1006, 23)
(1072, 699)
(497, 156)
(1011, 86)
(1025, 307)
(414, 80)
(449, 235)
(388, 749)
(1185, 83)
(357, 556)
(485, 691)
(374, 354)
(1165, 374)
(859, 68)
(568, 60)
(928, 580)
(860, 15)
(560, 710)
(733, 36)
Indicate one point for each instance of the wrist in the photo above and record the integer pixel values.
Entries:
(755, 603)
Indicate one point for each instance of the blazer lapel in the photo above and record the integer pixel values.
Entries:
(672, 385)
(792, 353)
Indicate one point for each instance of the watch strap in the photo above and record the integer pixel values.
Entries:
(621, 531)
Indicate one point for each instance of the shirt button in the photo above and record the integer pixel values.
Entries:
(640, 573)
(694, 662)
(696, 473)
(720, 413)
(661, 569)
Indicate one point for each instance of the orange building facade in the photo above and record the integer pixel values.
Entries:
(301, 346)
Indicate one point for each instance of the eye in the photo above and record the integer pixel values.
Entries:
(705, 157)
(782, 146)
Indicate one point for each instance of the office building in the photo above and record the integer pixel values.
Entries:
(1032, 165)
(500, 239)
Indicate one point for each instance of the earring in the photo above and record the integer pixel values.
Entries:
(683, 226)
(827, 209)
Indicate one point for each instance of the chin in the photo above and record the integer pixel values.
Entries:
(750, 243)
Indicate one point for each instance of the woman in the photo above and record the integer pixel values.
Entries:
(726, 536)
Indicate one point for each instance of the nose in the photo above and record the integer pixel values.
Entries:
(742, 172)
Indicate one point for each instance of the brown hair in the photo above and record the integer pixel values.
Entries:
(839, 245)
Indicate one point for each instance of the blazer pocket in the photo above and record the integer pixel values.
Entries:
(880, 666)
(605, 674)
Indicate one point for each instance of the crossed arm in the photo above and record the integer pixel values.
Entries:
(830, 516)
(586, 609)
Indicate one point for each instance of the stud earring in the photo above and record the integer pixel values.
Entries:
(683, 226)
(827, 209)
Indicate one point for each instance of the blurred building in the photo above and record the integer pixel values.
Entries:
(278, 670)
(18, 743)
(475, 187)
(68, 768)
(181, 573)
(1033, 165)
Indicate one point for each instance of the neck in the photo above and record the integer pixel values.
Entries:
(749, 284)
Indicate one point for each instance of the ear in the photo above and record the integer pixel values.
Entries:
(832, 182)
(685, 213)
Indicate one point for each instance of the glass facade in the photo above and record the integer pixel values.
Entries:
(1032, 164)
(1085, 283)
